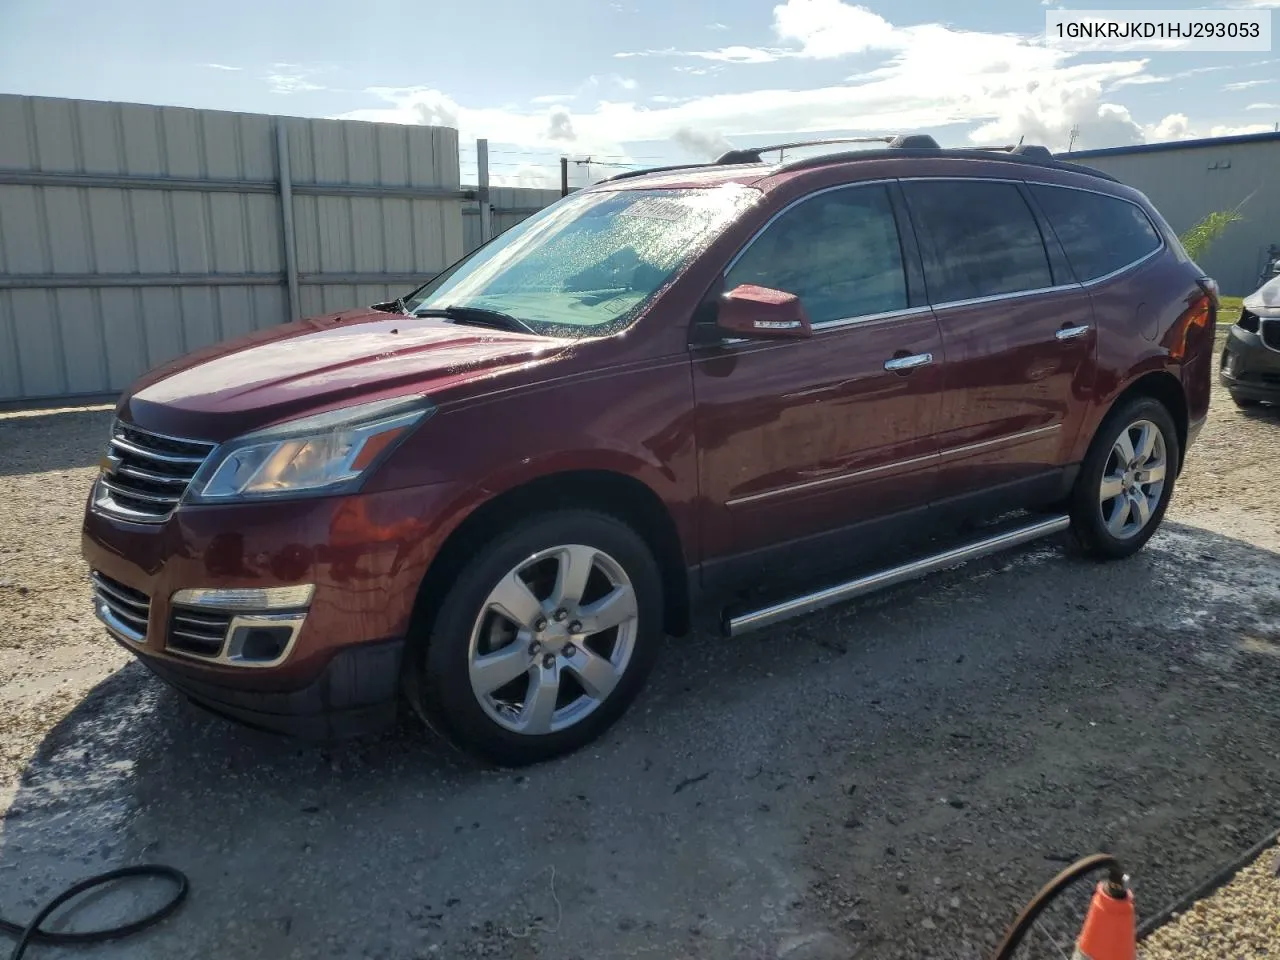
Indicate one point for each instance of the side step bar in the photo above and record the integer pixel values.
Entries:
(809, 602)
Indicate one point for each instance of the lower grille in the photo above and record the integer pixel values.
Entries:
(124, 610)
(1271, 333)
(201, 633)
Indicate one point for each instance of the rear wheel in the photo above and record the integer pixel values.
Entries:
(544, 638)
(1126, 480)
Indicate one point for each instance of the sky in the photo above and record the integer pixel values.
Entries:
(630, 83)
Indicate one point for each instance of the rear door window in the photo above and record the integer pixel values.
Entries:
(838, 251)
(979, 239)
(1100, 234)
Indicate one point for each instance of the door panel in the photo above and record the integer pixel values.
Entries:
(1017, 330)
(801, 437)
(1014, 393)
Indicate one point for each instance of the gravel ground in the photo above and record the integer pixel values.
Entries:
(1242, 920)
(891, 778)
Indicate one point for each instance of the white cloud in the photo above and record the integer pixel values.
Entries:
(1230, 131)
(929, 75)
(716, 26)
(1176, 126)
(1251, 4)
(553, 98)
(221, 66)
(560, 126)
(705, 145)
(287, 78)
(1263, 106)
(1246, 84)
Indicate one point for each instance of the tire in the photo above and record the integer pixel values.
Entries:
(511, 724)
(1090, 513)
(1244, 403)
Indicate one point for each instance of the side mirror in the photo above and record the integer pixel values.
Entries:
(762, 313)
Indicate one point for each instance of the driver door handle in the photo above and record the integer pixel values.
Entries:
(899, 364)
(1070, 333)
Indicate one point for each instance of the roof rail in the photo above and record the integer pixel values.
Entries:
(897, 141)
(918, 144)
(644, 172)
(1022, 150)
(1033, 157)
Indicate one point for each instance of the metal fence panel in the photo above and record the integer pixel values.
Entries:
(510, 205)
(130, 234)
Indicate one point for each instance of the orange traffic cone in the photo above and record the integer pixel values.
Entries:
(1110, 929)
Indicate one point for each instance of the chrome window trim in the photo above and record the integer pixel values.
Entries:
(1057, 288)
(870, 471)
(845, 322)
(842, 324)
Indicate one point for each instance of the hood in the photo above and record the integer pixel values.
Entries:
(320, 363)
(1265, 301)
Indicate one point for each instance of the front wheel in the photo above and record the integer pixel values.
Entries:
(544, 638)
(1126, 480)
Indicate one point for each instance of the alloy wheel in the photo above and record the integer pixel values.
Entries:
(553, 639)
(1133, 479)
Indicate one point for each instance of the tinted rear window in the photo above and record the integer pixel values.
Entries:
(979, 239)
(1100, 234)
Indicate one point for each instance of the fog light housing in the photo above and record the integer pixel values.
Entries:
(259, 643)
(247, 598)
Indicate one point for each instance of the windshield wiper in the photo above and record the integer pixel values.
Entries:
(479, 316)
(397, 305)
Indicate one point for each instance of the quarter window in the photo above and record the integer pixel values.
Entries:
(979, 239)
(837, 251)
(1099, 234)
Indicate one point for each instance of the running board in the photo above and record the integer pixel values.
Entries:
(809, 602)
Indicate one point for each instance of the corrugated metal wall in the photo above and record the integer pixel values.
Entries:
(1186, 183)
(130, 234)
(510, 205)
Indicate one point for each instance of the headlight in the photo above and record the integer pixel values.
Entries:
(329, 453)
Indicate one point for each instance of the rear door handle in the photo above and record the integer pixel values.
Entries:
(1070, 333)
(898, 364)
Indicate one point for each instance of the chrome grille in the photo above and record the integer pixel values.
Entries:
(124, 610)
(201, 633)
(1271, 333)
(146, 474)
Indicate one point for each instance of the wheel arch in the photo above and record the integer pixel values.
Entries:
(616, 494)
(1163, 386)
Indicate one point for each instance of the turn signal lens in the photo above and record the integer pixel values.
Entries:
(1194, 320)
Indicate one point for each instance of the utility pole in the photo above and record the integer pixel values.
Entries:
(1075, 132)
(482, 191)
(564, 176)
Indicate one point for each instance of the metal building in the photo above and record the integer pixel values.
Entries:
(1188, 179)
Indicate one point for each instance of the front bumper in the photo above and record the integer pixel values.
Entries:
(1249, 368)
(356, 693)
(366, 556)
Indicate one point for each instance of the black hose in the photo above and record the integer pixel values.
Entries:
(1038, 904)
(31, 932)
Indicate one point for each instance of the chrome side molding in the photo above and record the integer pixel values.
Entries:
(881, 579)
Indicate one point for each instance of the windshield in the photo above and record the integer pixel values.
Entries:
(585, 266)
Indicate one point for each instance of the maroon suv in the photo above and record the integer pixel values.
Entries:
(748, 388)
